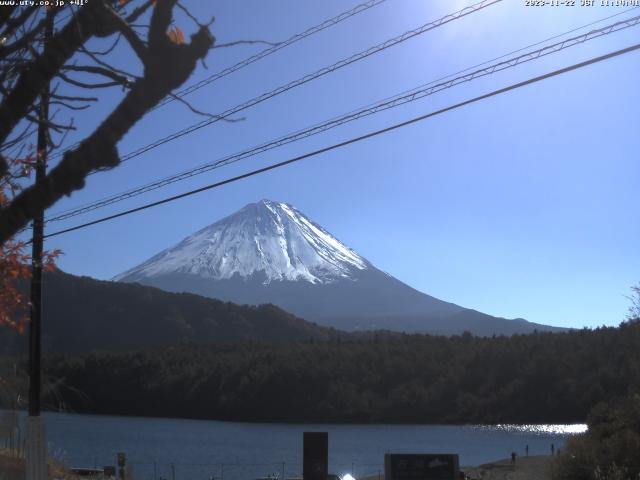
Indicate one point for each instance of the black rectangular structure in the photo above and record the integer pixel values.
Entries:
(315, 448)
(418, 466)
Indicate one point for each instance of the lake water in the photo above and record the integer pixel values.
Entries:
(199, 449)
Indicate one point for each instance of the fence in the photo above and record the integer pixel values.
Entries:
(154, 470)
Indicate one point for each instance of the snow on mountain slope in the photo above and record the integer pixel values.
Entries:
(268, 238)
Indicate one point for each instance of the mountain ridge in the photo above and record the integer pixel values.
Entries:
(82, 314)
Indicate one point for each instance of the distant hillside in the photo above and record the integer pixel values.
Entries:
(84, 314)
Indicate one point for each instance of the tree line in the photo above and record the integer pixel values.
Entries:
(378, 377)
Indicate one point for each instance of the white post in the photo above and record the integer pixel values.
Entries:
(36, 449)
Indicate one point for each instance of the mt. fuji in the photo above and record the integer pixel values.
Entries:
(269, 239)
(269, 252)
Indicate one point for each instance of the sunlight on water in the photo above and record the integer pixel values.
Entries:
(571, 429)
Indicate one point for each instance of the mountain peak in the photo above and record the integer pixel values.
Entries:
(264, 203)
(267, 239)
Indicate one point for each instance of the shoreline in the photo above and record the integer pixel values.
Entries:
(535, 467)
(524, 468)
(580, 426)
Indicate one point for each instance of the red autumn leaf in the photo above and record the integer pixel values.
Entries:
(15, 266)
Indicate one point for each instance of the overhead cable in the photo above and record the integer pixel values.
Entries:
(401, 99)
(274, 48)
(258, 56)
(307, 78)
(354, 140)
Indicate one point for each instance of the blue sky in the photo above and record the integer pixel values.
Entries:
(523, 205)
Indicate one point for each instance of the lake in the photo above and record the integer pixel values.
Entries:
(200, 449)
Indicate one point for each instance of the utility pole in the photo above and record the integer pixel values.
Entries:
(36, 434)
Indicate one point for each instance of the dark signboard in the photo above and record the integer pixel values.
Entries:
(315, 464)
(417, 466)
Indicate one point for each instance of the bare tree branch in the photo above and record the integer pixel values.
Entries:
(108, 50)
(4, 166)
(105, 72)
(130, 35)
(42, 69)
(24, 40)
(193, 18)
(17, 138)
(12, 24)
(74, 99)
(95, 58)
(5, 14)
(204, 114)
(167, 66)
(52, 125)
(138, 12)
(69, 106)
(86, 85)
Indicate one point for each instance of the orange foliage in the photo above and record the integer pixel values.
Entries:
(176, 35)
(14, 261)
(13, 267)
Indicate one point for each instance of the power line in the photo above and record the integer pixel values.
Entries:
(312, 76)
(401, 99)
(309, 77)
(258, 56)
(375, 133)
(279, 46)
(406, 97)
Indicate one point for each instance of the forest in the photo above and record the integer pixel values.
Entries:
(380, 377)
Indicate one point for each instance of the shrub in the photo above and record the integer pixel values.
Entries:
(609, 449)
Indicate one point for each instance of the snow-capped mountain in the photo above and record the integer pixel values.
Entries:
(266, 238)
(269, 252)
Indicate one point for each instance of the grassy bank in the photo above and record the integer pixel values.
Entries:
(12, 467)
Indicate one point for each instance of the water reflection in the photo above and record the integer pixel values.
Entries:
(571, 429)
